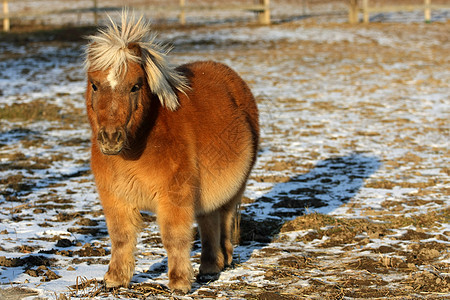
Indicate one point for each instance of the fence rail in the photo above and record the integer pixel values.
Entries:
(364, 7)
(182, 8)
(262, 9)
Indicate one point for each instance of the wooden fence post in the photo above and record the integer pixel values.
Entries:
(304, 2)
(353, 12)
(182, 15)
(264, 16)
(6, 23)
(427, 11)
(96, 12)
(366, 11)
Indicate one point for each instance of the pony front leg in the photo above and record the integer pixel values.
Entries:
(175, 219)
(124, 223)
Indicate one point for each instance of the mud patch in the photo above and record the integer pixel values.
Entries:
(27, 261)
(252, 230)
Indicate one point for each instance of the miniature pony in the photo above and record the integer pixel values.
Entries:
(179, 142)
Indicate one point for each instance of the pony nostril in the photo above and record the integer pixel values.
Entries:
(119, 137)
(101, 137)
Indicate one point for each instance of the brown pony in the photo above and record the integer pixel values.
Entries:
(179, 142)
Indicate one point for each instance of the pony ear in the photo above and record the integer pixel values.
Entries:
(164, 81)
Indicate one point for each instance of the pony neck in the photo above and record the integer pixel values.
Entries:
(138, 140)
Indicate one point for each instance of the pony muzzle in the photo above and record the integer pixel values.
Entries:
(111, 140)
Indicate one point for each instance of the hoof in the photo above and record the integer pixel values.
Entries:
(179, 292)
(111, 282)
(209, 268)
(229, 266)
(203, 278)
(180, 287)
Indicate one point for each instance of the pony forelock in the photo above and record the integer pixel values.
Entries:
(109, 49)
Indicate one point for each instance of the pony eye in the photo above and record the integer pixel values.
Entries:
(135, 88)
(94, 87)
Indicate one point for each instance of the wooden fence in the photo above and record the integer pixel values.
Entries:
(363, 6)
(261, 8)
(184, 7)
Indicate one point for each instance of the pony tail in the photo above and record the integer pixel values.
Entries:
(163, 80)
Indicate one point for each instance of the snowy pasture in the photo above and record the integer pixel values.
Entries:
(349, 197)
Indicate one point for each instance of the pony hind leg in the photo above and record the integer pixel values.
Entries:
(216, 232)
(229, 226)
(211, 259)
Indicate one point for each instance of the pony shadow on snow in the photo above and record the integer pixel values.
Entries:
(328, 185)
(324, 188)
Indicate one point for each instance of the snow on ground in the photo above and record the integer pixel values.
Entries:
(354, 124)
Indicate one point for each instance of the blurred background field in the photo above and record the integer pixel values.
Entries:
(26, 14)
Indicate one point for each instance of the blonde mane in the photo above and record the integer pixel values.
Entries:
(109, 49)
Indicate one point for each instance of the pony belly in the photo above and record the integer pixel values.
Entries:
(219, 183)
